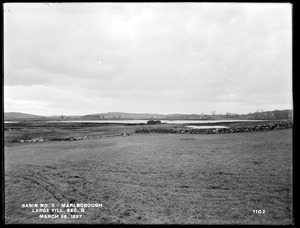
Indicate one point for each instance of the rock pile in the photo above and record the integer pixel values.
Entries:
(126, 134)
(265, 127)
(39, 139)
(164, 130)
(70, 138)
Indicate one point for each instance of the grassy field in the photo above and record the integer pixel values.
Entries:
(153, 178)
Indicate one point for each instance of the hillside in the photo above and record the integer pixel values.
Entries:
(261, 115)
(19, 115)
(122, 115)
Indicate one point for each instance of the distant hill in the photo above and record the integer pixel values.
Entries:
(262, 115)
(123, 115)
(259, 115)
(19, 115)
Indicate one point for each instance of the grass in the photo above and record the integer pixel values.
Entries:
(155, 178)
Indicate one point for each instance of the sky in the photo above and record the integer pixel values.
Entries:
(192, 58)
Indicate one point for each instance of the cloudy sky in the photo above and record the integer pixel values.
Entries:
(75, 59)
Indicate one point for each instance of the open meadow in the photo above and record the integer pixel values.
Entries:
(151, 178)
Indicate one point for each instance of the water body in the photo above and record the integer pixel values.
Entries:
(206, 127)
(204, 121)
(99, 121)
(145, 121)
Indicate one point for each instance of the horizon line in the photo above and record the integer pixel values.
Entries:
(145, 113)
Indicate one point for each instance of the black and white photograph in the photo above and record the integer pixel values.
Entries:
(148, 113)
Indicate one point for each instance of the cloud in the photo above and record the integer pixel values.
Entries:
(195, 56)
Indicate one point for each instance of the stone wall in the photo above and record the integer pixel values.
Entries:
(265, 127)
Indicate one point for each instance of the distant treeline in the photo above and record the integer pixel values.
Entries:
(258, 115)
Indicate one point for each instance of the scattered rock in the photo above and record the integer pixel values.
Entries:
(126, 134)
(12, 129)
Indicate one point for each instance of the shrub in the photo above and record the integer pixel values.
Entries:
(26, 136)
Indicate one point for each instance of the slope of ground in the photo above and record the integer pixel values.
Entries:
(19, 115)
(155, 178)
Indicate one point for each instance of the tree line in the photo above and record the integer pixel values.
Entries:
(258, 115)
